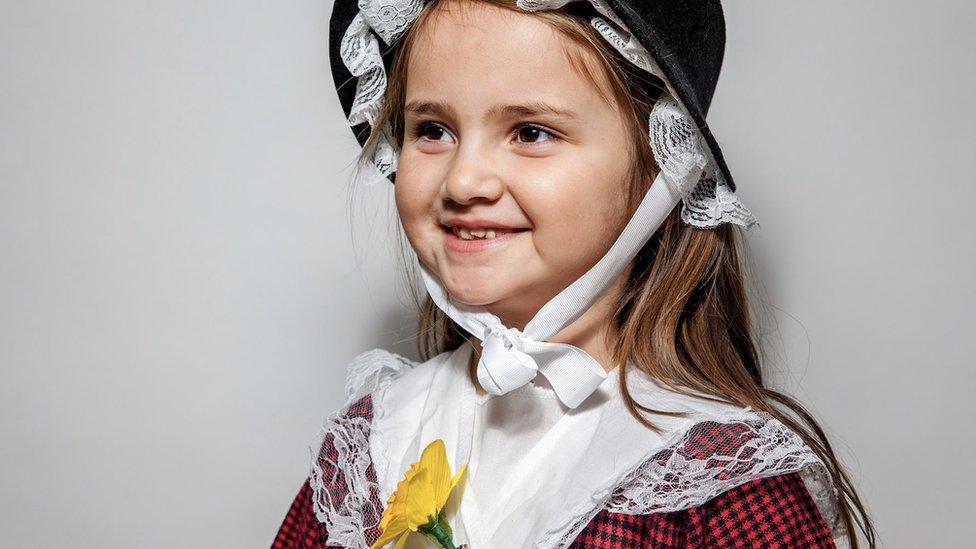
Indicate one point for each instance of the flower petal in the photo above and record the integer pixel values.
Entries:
(420, 501)
(434, 459)
(458, 476)
(402, 542)
(397, 527)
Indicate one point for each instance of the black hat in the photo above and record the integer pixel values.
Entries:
(681, 41)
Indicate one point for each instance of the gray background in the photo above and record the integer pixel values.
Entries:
(180, 291)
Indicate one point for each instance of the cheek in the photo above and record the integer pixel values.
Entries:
(410, 209)
(415, 198)
(579, 214)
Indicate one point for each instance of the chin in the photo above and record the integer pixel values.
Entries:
(475, 296)
(476, 291)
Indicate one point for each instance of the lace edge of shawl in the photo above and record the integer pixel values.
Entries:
(669, 481)
(350, 513)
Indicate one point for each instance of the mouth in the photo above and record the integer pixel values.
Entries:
(465, 241)
(480, 234)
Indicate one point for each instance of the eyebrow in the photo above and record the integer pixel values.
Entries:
(531, 108)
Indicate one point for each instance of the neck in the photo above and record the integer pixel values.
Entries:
(590, 332)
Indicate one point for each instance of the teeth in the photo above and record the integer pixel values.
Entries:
(473, 234)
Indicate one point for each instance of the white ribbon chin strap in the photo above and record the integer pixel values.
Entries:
(511, 358)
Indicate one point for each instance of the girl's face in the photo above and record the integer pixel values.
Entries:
(502, 132)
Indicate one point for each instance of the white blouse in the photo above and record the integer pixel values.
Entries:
(538, 471)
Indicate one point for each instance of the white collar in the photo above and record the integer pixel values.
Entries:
(414, 403)
(555, 484)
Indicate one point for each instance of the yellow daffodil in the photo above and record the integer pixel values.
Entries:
(417, 504)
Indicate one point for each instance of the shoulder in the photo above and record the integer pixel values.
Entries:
(763, 511)
(773, 511)
(375, 380)
(372, 370)
(377, 369)
(366, 374)
(345, 494)
(725, 453)
(342, 480)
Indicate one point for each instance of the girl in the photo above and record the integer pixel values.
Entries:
(586, 345)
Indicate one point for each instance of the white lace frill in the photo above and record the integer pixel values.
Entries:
(343, 488)
(707, 199)
(708, 457)
(681, 476)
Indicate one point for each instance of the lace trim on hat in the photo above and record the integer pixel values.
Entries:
(704, 460)
(344, 487)
(707, 199)
(680, 153)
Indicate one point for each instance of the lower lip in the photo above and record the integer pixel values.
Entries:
(457, 244)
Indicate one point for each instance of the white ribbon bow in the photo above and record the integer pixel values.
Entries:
(511, 358)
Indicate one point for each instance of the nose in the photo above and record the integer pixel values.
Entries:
(471, 177)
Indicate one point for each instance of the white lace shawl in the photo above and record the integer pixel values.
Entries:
(345, 497)
(675, 139)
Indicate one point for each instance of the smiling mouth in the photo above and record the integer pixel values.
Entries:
(481, 234)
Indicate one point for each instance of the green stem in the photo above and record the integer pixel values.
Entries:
(440, 535)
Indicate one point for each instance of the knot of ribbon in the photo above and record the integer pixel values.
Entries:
(504, 364)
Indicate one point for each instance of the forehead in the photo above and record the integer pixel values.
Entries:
(473, 53)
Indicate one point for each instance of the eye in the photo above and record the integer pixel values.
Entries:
(429, 131)
(530, 133)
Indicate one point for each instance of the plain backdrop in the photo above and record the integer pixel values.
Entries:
(182, 284)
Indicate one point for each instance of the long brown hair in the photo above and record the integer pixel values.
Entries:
(683, 316)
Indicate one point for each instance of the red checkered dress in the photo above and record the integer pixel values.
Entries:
(770, 512)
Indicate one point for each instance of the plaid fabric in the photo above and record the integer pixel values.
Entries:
(773, 512)
(300, 527)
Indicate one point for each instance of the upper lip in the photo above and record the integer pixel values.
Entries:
(473, 224)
